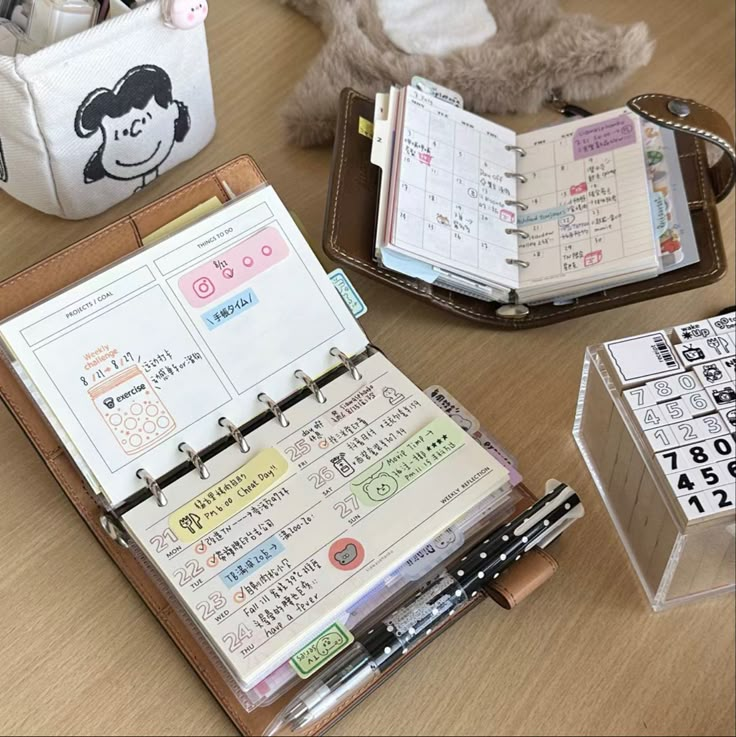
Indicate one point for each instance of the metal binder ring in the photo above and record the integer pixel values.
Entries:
(113, 531)
(195, 460)
(515, 175)
(519, 232)
(517, 203)
(311, 385)
(153, 487)
(518, 262)
(347, 362)
(519, 150)
(275, 409)
(235, 434)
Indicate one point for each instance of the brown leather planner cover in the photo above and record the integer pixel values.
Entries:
(350, 221)
(92, 254)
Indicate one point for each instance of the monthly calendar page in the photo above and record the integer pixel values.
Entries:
(455, 195)
(153, 351)
(588, 199)
(280, 541)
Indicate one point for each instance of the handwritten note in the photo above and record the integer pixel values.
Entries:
(409, 461)
(604, 136)
(278, 550)
(216, 505)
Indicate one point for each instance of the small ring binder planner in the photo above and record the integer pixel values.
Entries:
(515, 175)
(517, 203)
(235, 434)
(517, 231)
(312, 386)
(347, 362)
(517, 262)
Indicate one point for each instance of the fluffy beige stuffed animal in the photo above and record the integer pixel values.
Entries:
(520, 50)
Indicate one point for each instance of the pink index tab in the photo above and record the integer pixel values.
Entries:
(233, 268)
(607, 135)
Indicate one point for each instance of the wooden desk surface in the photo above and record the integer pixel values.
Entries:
(80, 653)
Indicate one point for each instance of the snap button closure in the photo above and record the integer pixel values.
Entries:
(679, 108)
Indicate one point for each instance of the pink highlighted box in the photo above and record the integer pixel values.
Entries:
(233, 268)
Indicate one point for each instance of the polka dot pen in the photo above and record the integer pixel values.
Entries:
(431, 607)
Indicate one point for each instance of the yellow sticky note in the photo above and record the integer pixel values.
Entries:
(215, 506)
(205, 208)
(365, 127)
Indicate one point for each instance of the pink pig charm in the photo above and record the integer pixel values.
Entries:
(185, 14)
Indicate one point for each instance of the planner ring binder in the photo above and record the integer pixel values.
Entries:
(515, 175)
(195, 460)
(517, 262)
(521, 233)
(153, 487)
(312, 385)
(235, 434)
(519, 150)
(274, 408)
(517, 203)
(347, 362)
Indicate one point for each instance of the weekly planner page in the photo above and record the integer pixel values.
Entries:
(152, 352)
(281, 541)
(588, 199)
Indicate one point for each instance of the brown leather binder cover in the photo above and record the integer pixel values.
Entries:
(92, 254)
(350, 224)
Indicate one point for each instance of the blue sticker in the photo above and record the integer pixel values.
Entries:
(348, 293)
(229, 309)
(252, 561)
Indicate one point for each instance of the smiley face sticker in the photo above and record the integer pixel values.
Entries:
(346, 554)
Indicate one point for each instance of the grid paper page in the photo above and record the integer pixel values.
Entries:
(589, 201)
(452, 190)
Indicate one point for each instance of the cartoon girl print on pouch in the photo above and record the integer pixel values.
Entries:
(140, 122)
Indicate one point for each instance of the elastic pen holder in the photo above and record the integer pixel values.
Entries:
(88, 121)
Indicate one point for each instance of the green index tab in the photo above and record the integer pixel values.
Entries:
(422, 452)
(321, 650)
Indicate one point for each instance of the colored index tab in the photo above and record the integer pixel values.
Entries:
(365, 127)
(321, 650)
(229, 496)
(418, 455)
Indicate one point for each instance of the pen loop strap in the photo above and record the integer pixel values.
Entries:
(276, 411)
(515, 175)
(519, 150)
(311, 385)
(517, 203)
(153, 487)
(517, 231)
(235, 434)
(195, 460)
(347, 362)
(113, 531)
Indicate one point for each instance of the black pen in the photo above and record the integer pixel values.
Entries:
(428, 609)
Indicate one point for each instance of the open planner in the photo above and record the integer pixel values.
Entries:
(223, 404)
(547, 215)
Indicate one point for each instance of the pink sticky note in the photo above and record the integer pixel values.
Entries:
(607, 135)
(581, 188)
(593, 258)
(249, 258)
(425, 159)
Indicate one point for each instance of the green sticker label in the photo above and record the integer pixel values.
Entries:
(422, 452)
(321, 650)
